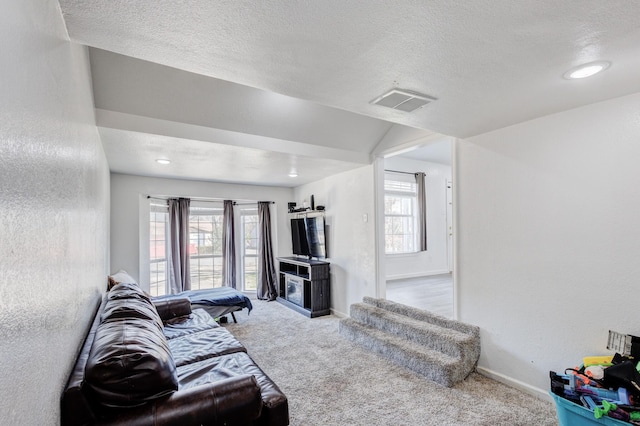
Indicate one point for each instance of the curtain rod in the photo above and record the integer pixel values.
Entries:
(207, 200)
(398, 171)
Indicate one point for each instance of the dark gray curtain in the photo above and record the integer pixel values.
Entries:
(178, 245)
(266, 269)
(422, 211)
(228, 246)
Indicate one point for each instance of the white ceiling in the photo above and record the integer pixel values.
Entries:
(217, 130)
(489, 63)
(437, 152)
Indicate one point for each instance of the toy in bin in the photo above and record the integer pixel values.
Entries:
(604, 389)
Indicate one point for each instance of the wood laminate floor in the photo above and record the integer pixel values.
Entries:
(433, 293)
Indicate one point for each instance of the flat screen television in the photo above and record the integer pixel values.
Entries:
(308, 237)
(315, 236)
(299, 237)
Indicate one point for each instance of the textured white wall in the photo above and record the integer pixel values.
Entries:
(548, 238)
(347, 197)
(130, 214)
(54, 206)
(434, 260)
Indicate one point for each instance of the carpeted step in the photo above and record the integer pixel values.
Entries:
(441, 349)
(434, 365)
(450, 342)
(423, 315)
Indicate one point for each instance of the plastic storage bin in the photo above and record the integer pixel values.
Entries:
(570, 414)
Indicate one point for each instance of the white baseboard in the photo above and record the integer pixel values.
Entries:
(514, 383)
(339, 314)
(416, 275)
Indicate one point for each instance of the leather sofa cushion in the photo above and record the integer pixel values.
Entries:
(126, 291)
(117, 309)
(205, 344)
(130, 363)
(234, 401)
(198, 320)
(76, 407)
(275, 409)
(172, 308)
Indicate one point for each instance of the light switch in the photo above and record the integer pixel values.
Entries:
(365, 218)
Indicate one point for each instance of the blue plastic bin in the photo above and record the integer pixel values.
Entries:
(570, 414)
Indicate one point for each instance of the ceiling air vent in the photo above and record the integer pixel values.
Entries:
(403, 100)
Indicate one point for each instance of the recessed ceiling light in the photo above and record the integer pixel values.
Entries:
(587, 70)
(293, 174)
(163, 161)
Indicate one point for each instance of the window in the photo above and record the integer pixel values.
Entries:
(249, 254)
(205, 246)
(158, 230)
(400, 213)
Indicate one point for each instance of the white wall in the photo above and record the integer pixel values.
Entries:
(434, 260)
(54, 206)
(548, 238)
(130, 215)
(347, 197)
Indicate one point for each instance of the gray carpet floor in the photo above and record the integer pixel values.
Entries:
(331, 381)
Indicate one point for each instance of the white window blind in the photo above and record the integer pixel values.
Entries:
(400, 213)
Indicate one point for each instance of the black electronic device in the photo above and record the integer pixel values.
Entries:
(315, 237)
(299, 237)
(308, 237)
(291, 206)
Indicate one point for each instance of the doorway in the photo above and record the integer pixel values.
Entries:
(433, 293)
(423, 279)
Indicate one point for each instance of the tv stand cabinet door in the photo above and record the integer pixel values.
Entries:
(320, 295)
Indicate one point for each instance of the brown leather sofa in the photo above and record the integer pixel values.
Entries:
(146, 364)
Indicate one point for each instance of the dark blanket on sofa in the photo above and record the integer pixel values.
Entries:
(220, 296)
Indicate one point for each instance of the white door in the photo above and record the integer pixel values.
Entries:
(450, 225)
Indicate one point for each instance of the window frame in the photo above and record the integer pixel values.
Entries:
(240, 212)
(405, 187)
(208, 209)
(156, 208)
(243, 213)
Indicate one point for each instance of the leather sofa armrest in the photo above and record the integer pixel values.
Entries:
(233, 401)
(172, 308)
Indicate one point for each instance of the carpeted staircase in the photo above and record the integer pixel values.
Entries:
(442, 350)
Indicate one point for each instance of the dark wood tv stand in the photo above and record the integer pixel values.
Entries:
(304, 285)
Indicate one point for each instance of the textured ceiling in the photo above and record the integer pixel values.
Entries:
(212, 129)
(437, 152)
(199, 160)
(489, 63)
